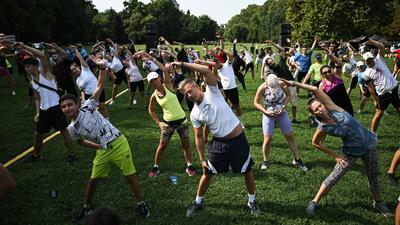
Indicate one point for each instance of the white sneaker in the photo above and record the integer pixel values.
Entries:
(13, 93)
(299, 164)
(359, 111)
(134, 101)
(385, 113)
(111, 102)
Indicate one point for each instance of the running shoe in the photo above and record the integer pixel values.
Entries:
(254, 208)
(265, 165)
(193, 209)
(392, 178)
(191, 171)
(382, 208)
(311, 208)
(143, 210)
(83, 212)
(299, 164)
(154, 172)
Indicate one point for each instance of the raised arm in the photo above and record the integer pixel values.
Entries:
(81, 60)
(102, 64)
(318, 94)
(40, 55)
(116, 49)
(209, 77)
(280, 48)
(54, 46)
(96, 45)
(378, 45)
(314, 43)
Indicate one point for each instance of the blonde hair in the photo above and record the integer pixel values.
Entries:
(272, 83)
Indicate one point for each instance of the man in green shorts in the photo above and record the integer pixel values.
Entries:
(89, 128)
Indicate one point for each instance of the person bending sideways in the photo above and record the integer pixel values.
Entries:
(174, 118)
(358, 142)
(229, 145)
(92, 130)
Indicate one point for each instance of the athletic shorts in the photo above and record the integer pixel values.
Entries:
(232, 95)
(301, 76)
(294, 98)
(118, 153)
(4, 72)
(168, 130)
(249, 66)
(387, 98)
(120, 77)
(268, 124)
(354, 81)
(365, 92)
(101, 99)
(137, 84)
(234, 152)
(51, 117)
(259, 60)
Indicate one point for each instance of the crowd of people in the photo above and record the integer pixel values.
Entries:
(208, 85)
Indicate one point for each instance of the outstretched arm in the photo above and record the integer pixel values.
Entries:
(314, 43)
(318, 93)
(378, 45)
(39, 54)
(209, 77)
(81, 60)
(101, 79)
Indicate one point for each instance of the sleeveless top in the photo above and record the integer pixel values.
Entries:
(356, 138)
(171, 108)
(48, 98)
(337, 92)
(273, 102)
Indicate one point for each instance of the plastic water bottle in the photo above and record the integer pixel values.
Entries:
(53, 194)
(174, 180)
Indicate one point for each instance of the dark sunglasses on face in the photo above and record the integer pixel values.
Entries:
(326, 72)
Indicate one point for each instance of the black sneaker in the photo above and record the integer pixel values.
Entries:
(295, 121)
(71, 158)
(143, 210)
(33, 158)
(193, 209)
(392, 178)
(83, 212)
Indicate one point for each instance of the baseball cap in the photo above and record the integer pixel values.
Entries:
(151, 76)
(359, 63)
(318, 55)
(368, 55)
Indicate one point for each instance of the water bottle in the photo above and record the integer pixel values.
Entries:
(53, 194)
(174, 180)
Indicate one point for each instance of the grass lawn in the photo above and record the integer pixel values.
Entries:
(283, 192)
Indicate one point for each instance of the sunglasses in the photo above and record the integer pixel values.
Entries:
(327, 72)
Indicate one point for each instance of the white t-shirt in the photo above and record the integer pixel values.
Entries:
(133, 73)
(150, 65)
(227, 76)
(248, 58)
(383, 79)
(91, 125)
(86, 81)
(115, 65)
(48, 98)
(215, 112)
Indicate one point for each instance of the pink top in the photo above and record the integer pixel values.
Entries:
(326, 87)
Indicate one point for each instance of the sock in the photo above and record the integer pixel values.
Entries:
(155, 165)
(252, 197)
(199, 199)
(189, 164)
(86, 206)
(139, 203)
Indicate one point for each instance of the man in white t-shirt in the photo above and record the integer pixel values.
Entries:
(90, 129)
(229, 145)
(248, 59)
(386, 86)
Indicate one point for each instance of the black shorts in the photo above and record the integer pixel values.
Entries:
(354, 81)
(365, 91)
(51, 117)
(120, 77)
(387, 98)
(101, 99)
(234, 152)
(232, 95)
(249, 66)
(138, 84)
(301, 76)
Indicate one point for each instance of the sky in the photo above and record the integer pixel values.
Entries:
(219, 10)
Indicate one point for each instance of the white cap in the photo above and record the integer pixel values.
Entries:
(151, 76)
(368, 55)
(360, 63)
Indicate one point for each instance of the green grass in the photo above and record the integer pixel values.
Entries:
(283, 192)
